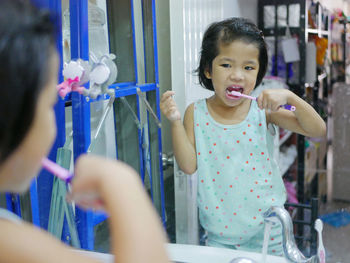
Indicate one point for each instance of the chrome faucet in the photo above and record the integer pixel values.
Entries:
(291, 251)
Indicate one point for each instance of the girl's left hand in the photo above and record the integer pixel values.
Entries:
(273, 99)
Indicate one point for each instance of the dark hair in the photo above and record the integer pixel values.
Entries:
(27, 42)
(225, 32)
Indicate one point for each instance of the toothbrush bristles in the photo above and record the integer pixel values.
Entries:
(236, 93)
(318, 225)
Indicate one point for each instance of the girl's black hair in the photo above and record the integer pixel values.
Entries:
(27, 42)
(225, 32)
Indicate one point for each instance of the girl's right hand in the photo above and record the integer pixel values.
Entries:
(169, 107)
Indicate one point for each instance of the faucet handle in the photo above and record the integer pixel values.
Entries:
(271, 220)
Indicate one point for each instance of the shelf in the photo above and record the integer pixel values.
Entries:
(310, 163)
(318, 32)
(310, 177)
(285, 137)
(287, 158)
(284, 169)
(304, 33)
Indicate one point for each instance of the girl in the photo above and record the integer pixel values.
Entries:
(28, 74)
(224, 138)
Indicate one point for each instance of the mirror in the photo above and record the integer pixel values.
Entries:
(130, 131)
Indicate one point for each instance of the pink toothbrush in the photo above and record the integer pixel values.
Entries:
(57, 170)
(238, 94)
(321, 252)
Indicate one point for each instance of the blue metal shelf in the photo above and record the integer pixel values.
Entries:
(81, 110)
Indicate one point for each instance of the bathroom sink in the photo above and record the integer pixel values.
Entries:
(179, 253)
(202, 254)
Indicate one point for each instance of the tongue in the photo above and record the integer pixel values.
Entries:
(234, 89)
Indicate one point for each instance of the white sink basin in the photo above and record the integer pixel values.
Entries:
(198, 254)
(202, 254)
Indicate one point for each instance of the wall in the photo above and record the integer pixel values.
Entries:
(341, 4)
(244, 8)
(163, 33)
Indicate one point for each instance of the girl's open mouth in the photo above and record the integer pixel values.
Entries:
(233, 88)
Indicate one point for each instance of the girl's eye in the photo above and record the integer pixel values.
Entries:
(225, 65)
(248, 68)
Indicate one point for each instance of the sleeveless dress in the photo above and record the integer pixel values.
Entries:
(238, 180)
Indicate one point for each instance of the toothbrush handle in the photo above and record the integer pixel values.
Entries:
(288, 107)
(285, 106)
(320, 250)
(57, 170)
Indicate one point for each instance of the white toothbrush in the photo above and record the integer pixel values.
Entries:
(320, 250)
(238, 94)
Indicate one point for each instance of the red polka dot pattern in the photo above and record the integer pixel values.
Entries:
(234, 174)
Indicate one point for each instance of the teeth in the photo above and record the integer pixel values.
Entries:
(234, 91)
(234, 88)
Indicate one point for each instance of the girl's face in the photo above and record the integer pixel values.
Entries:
(235, 68)
(18, 170)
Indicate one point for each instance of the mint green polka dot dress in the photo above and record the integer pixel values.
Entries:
(238, 179)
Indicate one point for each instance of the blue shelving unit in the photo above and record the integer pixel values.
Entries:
(41, 189)
(81, 110)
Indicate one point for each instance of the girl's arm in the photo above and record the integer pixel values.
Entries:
(136, 232)
(25, 243)
(304, 120)
(184, 142)
(182, 133)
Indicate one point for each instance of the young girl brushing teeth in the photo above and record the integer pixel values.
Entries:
(225, 138)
